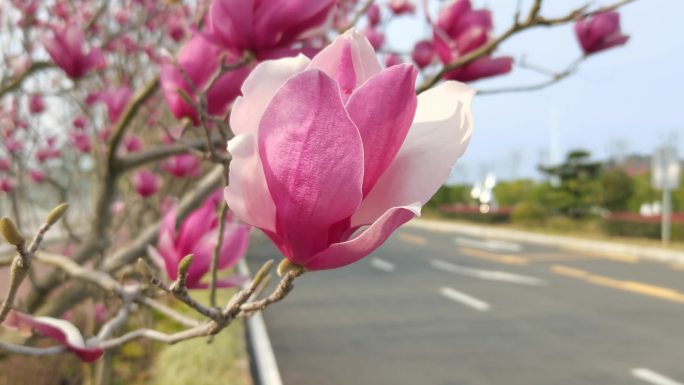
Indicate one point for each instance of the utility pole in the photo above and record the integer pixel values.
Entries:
(665, 176)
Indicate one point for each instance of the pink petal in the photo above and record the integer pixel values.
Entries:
(363, 56)
(258, 90)
(63, 332)
(438, 137)
(383, 109)
(247, 194)
(345, 253)
(313, 161)
(234, 246)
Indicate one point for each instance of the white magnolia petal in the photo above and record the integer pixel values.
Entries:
(439, 135)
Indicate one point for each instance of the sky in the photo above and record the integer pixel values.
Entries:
(628, 99)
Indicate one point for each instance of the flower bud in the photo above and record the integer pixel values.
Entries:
(10, 232)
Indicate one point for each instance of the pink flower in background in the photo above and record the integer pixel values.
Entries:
(132, 143)
(328, 146)
(460, 17)
(459, 30)
(374, 15)
(600, 32)
(36, 104)
(423, 53)
(266, 28)
(392, 60)
(37, 176)
(67, 49)
(145, 183)
(197, 235)
(13, 145)
(81, 141)
(200, 60)
(400, 7)
(375, 37)
(116, 100)
(182, 166)
(7, 185)
(5, 164)
(80, 122)
(61, 331)
(46, 153)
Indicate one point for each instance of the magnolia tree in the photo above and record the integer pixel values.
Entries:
(187, 124)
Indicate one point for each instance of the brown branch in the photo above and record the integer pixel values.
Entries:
(17, 82)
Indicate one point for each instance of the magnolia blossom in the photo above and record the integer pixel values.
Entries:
(145, 183)
(37, 176)
(332, 154)
(132, 143)
(197, 235)
(5, 164)
(599, 32)
(200, 59)
(266, 28)
(81, 141)
(63, 332)
(423, 53)
(400, 7)
(116, 100)
(460, 29)
(7, 185)
(392, 60)
(66, 48)
(182, 166)
(46, 153)
(375, 37)
(36, 104)
(373, 15)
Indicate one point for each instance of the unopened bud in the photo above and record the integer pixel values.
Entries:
(184, 265)
(263, 272)
(57, 213)
(286, 266)
(10, 232)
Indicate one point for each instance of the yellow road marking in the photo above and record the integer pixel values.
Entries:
(626, 258)
(677, 266)
(630, 286)
(493, 257)
(414, 239)
(545, 257)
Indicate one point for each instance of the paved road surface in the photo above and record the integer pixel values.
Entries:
(443, 309)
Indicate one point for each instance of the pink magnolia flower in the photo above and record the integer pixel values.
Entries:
(266, 28)
(46, 153)
(197, 235)
(7, 185)
(423, 53)
(182, 166)
(66, 48)
(392, 60)
(374, 15)
(459, 30)
(132, 143)
(400, 7)
(200, 60)
(600, 32)
(5, 164)
(36, 104)
(328, 146)
(375, 37)
(37, 176)
(459, 17)
(116, 100)
(61, 331)
(81, 141)
(13, 145)
(145, 183)
(80, 122)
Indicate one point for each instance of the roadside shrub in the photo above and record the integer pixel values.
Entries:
(529, 213)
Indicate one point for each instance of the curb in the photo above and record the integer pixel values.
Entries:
(646, 252)
(262, 358)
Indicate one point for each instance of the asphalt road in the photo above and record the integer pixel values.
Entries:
(443, 309)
